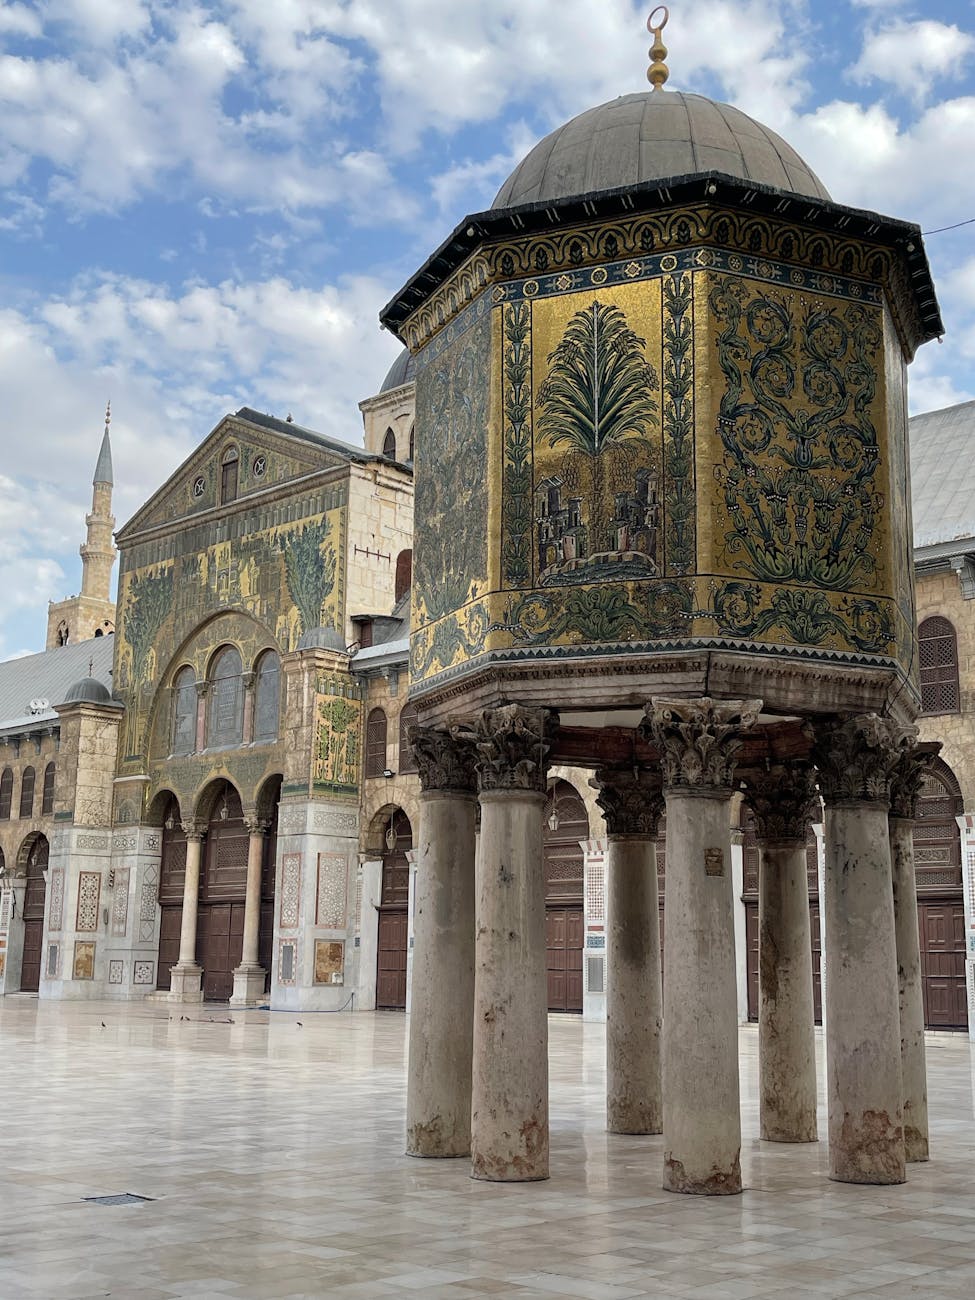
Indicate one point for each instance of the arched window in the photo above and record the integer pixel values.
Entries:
(389, 445)
(228, 475)
(412, 437)
(27, 793)
(404, 573)
(6, 793)
(267, 697)
(47, 797)
(938, 654)
(407, 761)
(376, 743)
(184, 711)
(225, 718)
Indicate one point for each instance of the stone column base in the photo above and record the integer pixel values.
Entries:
(186, 983)
(249, 984)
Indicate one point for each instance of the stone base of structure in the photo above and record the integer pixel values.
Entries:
(186, 984)
(249, 982)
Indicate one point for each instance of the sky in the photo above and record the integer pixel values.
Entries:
(205, 205)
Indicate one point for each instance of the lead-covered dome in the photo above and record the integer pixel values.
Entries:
(655, 136)
(89, 690)
(400, 372)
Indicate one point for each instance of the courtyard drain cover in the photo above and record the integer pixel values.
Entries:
(121, 1198)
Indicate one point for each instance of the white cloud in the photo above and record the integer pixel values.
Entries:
(911, 55)
(19, 20)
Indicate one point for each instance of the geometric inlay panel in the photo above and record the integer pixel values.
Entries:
(333, 877)
(147, 905)
(116, 971)
(288, 962)
(120, 903)
(290, 890)
(144, 972)
(89, 892)
(56, 910)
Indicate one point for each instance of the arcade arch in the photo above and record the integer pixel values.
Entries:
(566, 825)
(392, 834)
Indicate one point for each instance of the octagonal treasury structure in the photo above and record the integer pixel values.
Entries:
(661, 447)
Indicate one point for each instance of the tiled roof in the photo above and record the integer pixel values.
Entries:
(943, 475)
(48, 677)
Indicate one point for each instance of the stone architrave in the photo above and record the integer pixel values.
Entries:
(509, 1103)
(856, 757)
(698, 741)
(632, 802)
(250, 976)
(186, 977)
(784, 801)
(438, 1098)
(906, 781)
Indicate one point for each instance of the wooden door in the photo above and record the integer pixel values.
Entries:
(170, 922)
(219, 945)
(564, 936)
(391, 973)
(34, 898)
(816, 937)
(942, 935)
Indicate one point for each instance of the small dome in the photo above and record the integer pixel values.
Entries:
(89, 691)
(655, 136)
(401, 372)
(321, 638)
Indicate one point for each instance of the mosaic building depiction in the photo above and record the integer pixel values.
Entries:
(665, 634)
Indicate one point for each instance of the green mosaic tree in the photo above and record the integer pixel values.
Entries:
(597, 399)
(309, 566)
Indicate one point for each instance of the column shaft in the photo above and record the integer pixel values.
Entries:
(702, 1124)
(509, 1111)
(910, 991)
(191, 896)
(866, 1135)
(252, 901)
(634, 1100)
(786, 1025)
(438, 1099)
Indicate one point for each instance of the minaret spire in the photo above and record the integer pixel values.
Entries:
(92, 613)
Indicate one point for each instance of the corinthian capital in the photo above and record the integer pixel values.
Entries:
(512, 744)
(631, 799)
(445, 762)
(908, 775)
(857, 757)
(699, 739)
(783, 801)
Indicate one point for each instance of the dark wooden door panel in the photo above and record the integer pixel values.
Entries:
(391, 971)
(564, 942)
(30, 971)
(219, 946)
(941, 928)
(170, 920)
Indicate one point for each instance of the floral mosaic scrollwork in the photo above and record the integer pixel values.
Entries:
(678, 422)
(806, 616)
(517, 507)
(595, 614)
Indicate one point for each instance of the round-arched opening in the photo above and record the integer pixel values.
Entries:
(397, 842)
(225, 702)
(566, 828)
(33, 862)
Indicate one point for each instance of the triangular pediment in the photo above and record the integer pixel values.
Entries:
(263, 452)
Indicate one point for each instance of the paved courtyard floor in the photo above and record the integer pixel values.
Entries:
(271, 1154)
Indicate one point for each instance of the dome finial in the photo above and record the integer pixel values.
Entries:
(658, 72)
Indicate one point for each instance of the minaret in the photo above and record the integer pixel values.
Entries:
(93, 612)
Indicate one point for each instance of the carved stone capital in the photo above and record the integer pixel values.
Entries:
(857, 757)
(631, 799)
(512, 746)
(256, 825)
(194, 830)
(783, 801)
(906, 780)
(444, 761)
(202, 689)
(699, 739)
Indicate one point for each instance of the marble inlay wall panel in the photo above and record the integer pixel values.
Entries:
(56, 906)
(333, 876)
(89, 893)
(147, 905)
(329, 961)
(116, 971)
(120, 903)
(144, 972)
(290, 891)
(84, 960)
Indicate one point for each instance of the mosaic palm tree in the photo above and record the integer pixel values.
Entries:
(597, 399)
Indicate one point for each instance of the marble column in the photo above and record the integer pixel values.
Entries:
(784, 801)
(698, 740)
(905, 790)
(632, 800)
(855, 758)
(250, 977)
(186, 977)
(509, 1100)
(438, 1094)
